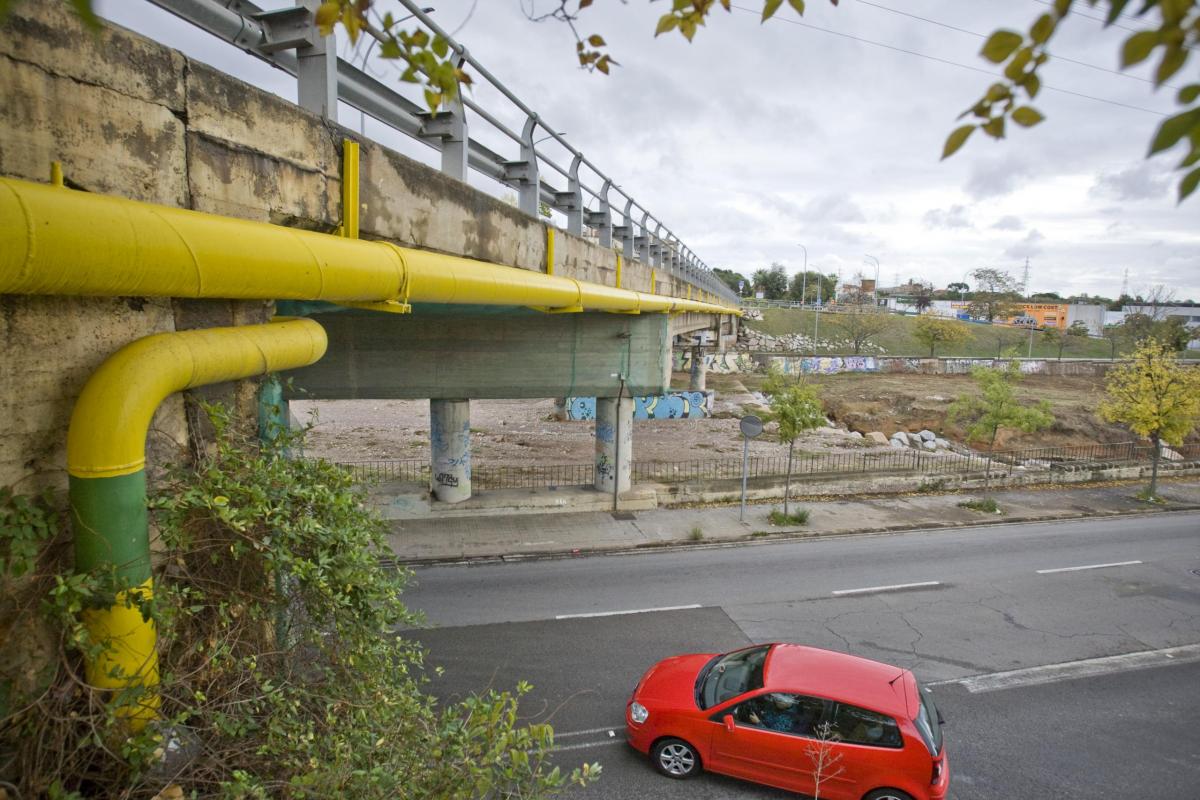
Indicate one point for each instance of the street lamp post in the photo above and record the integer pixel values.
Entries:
(804, 277)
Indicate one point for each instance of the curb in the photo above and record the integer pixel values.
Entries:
(795, 534)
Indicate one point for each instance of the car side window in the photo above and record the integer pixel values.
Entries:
(856, 725)
(782, 712)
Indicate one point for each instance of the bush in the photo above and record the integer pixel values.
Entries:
(986, 505)
(797, 517)
(282, 672)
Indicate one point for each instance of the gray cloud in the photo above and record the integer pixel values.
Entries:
(1009, 222)
(948, 219)
(1028, 247)
(1143, 181)
(997, 177)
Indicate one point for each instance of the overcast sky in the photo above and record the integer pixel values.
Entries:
(758, 138)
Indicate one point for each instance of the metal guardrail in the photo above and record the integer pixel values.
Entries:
(895, 461)
(289, 40)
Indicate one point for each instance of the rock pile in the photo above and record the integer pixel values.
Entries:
(924, 440)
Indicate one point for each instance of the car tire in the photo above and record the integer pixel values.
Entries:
(675, 758)
(887, 794)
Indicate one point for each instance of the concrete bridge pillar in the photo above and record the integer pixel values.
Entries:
(699, 371)
(614, 443)
(450, 449)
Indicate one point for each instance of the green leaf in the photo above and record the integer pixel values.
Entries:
(1061, 7)
(596, 40)
(83, 10)
(1137, 48)
(1188, 94)
(1188, 184)
(440, 47)
(1042, 29)
(1172, 60)
(769, 8)
(1026, 116)
(1173, 129)
(666, 23)
(1032, 84)
(1000, 45)
(956, 140)
(1115, 7)
(994, 127)
(798, 5)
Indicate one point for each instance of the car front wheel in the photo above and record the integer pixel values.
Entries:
(675, 758)
(887, 794)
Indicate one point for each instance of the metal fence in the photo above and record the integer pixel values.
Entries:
(867, 462)
(288, 39)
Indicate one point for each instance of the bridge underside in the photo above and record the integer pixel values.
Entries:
(460, 352)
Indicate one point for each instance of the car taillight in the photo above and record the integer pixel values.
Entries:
(937, 771)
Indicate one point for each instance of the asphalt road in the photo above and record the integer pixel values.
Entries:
(989, 601)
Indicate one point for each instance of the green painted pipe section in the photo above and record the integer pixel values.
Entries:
(110, 524)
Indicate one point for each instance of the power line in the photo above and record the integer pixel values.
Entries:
(960, 65)
(978, 35)
(1104, 21)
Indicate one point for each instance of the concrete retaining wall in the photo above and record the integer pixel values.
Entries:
(742, 362)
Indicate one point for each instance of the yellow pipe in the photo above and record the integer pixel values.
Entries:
(350, 189)
(56, 174)
(618, 270)
(106, 443)
(653, 283)
(140, 249)
(107, 436)
(549, 250)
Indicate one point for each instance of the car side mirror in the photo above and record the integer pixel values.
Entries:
(729, 726)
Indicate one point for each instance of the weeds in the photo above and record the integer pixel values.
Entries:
(797, 517)
(987, 505)
(696, 534)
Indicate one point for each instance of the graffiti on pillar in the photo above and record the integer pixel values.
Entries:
(723, 363)
(604, 468)
(445, 479)
(676, 405)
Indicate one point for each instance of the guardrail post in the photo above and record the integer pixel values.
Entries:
(643, 243)
(601, 219)
(625, 233)
(316, 76)
(570, 202)
(524, 173)
(450, 126)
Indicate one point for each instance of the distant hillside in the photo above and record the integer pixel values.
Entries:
(985, 340)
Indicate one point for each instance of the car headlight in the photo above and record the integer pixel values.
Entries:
(638, 713)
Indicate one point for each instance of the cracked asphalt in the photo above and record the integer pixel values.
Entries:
(990, 611)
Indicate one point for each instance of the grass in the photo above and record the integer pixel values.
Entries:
(799, 517)
(696, 534)
(987, 505)
(984, 342)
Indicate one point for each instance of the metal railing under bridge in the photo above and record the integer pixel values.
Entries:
(866, 462)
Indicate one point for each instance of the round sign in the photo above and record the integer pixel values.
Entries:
(751, 426)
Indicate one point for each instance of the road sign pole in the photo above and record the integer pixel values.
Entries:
(745, 468)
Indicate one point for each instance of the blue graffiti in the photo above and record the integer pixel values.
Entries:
(676, 405)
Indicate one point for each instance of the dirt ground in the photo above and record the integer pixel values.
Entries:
(518, 432)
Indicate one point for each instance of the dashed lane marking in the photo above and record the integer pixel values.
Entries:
(629, 611)
(1088, 566)
(897, 587)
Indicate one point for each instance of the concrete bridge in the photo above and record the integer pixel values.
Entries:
(181, 198)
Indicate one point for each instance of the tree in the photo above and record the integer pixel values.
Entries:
(934, 330)
(995, 407)
(995, 294)
(796, 407)
(958, 287)
(863, 324)
(1154, 396)
(1170, 331)
(736, 281)
(1062, 337)
(807, 290)
(922, 297)
(773, 282)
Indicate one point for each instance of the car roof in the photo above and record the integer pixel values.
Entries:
(837, 676)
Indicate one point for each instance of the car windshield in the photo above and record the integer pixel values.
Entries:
(731, 675)
(927, 722)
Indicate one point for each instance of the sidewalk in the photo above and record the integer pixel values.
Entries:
(522, 536)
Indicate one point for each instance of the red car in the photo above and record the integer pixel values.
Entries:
(797, 718)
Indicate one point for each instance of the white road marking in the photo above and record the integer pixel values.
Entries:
(1088, 566)
(893, 588)
(1072, 670)
(630, 611)
(606, 729)
(586, 745)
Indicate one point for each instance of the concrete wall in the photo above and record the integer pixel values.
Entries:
(129, 117)
(831, 365)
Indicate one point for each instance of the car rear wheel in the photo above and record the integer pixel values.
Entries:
(888, 794)
(675, 758)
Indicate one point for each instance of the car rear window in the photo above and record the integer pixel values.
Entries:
(927, 722)
(859, 726)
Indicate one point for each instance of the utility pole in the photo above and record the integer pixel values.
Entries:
(804, 277)
(1025, 279)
